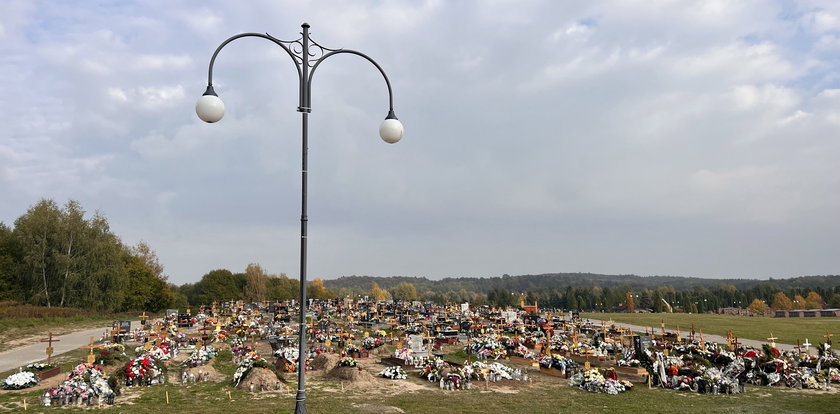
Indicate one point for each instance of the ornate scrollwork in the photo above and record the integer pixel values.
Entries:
(315, 52)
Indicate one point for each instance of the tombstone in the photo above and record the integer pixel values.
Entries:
(415, 343)
(172, 312)
(641, 343)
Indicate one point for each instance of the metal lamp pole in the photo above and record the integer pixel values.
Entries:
(307, 55)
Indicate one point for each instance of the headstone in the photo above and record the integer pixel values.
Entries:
(415, 343)
(641, 343)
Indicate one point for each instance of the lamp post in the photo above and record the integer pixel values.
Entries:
(306, 55)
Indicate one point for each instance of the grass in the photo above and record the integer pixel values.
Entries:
(788, 330)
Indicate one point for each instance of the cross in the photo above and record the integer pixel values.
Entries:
(662, 325)
(730, 339)
(692, 332)
(91, 358)
(772, 340)
(143, 318)
(50, 340)
(807, 346)
(702, 342)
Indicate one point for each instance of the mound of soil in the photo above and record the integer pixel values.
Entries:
(214, 375)
(262, 379)
(352, 375)
(325, 362)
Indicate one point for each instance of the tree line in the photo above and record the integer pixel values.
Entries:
(59, 256)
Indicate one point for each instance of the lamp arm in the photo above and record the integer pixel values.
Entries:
(266, 36)
(352, 52)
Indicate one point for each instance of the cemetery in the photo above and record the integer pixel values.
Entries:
(406, 351)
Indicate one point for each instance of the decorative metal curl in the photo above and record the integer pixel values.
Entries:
(315, 52)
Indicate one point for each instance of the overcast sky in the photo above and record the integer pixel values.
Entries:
(648, 137)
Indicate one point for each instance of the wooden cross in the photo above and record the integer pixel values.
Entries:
(49, 341)
(730, 339)
(772, 340)
(143, 318)
(702, 342)
(429, 348)
(827, 337)
(91, 358)
(662, 325)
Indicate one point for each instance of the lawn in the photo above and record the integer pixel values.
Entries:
(788, 330)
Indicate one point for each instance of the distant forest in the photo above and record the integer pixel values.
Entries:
(59, 256)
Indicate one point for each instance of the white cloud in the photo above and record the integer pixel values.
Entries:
(607, 131)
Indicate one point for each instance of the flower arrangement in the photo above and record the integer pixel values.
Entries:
(38, 367)
(19, 381)
(143, 369)
(558, 362)
(371, 343)
(592, 381)
(201, 356)
(351, 349)
(347, 362)
(82, 384)
(395, 373)
(251, 360)
(494, 372)
(487, 348)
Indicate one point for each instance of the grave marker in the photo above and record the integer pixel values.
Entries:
(49, 351)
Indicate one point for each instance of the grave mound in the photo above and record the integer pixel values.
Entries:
(260, 379)
(325, 362)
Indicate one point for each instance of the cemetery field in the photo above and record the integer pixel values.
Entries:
(788, 330)
(543, 394)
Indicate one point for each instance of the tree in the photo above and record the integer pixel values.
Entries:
(781, 302)
(799, 302)
(631, 305)
(316, 290)
(814, 301)
(377, 293)
(757, 306)
(835, 301)
(35, 231)
(144, 251)
(256, 284)
(145, 290)
(10, 258)
(404, 291)
(217, 286)
(282, 288)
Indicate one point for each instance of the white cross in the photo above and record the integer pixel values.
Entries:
(807, 345)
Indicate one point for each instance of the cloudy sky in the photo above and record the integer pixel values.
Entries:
(693, 138)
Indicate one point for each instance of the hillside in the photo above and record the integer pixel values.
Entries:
(525, 283)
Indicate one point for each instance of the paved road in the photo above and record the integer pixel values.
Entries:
(17, 357)
(706, 337)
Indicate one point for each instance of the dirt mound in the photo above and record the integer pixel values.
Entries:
(353, 375)
(381, 351)
(325, 362)
(213, 374)
(260, 379)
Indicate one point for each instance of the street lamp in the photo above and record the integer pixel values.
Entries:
(306, 55)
